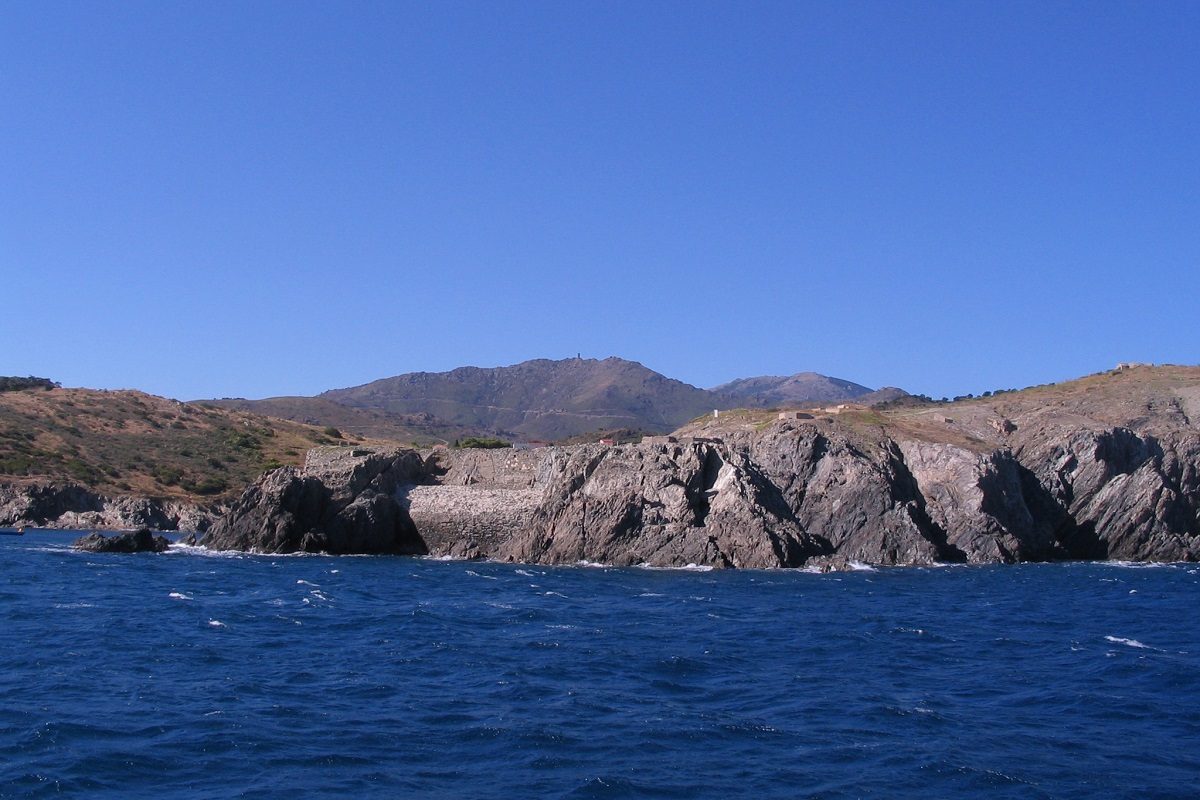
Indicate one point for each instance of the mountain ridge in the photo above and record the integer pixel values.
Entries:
(540, 399)
(797, 389)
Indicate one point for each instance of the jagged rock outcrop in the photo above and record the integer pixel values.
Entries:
(139, 541)
(341, 501)
(855, 499)
(1122, 495)
(977, 502)
(73, 507)
(661, 504)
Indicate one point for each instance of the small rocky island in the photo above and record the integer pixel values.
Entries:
(142, 540)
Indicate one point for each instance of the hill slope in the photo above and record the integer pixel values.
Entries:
(801, 389)
(421, 428)
(1151, 400)
(539, 399)
(128, 442)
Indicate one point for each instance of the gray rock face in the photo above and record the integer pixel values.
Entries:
(342, 501)
(978, 503)
(470, 502)
(792, 494)
(468, 522)
(857, 500)
(661, 504)
(1122, 495)
(71, 507)
(139, 541)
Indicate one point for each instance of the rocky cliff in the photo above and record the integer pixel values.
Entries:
(68, 506)
(343, 500)
(1065, 475)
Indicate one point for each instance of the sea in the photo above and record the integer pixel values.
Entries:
(206, 675)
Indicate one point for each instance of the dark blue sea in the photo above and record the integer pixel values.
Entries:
(219, 676)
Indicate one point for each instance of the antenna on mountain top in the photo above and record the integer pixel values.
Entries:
(579, 356)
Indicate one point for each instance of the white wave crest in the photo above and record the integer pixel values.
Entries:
(204, 552)
(485, 577)
(1128, 642)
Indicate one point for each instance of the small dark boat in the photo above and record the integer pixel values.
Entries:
(13, 531)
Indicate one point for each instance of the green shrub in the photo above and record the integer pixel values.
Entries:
(483, 442)
(243, 441)
(15, 384)
(80, 470)
(15, 465)
(209, 485)
(167, 476)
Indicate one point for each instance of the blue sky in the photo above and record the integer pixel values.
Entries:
(205, 199)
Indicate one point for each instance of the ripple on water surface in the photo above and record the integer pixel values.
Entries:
(195, 676)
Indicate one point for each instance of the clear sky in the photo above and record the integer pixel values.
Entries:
(205, 199)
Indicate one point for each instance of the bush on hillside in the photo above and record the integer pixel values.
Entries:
(13, 383)
(483, 443)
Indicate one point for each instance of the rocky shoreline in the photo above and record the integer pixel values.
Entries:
(1107, 467)
(790, 495)
(68, 506)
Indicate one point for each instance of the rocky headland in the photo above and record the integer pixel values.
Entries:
(1107, 467)
(343, 500)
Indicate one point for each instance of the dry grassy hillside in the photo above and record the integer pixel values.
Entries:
(1142, 398)
(421, 430)
(131, 442)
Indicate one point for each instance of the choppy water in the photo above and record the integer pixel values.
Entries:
(189, 675)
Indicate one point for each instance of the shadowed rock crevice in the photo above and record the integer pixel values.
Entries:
(1126, 495)
(908, 493)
